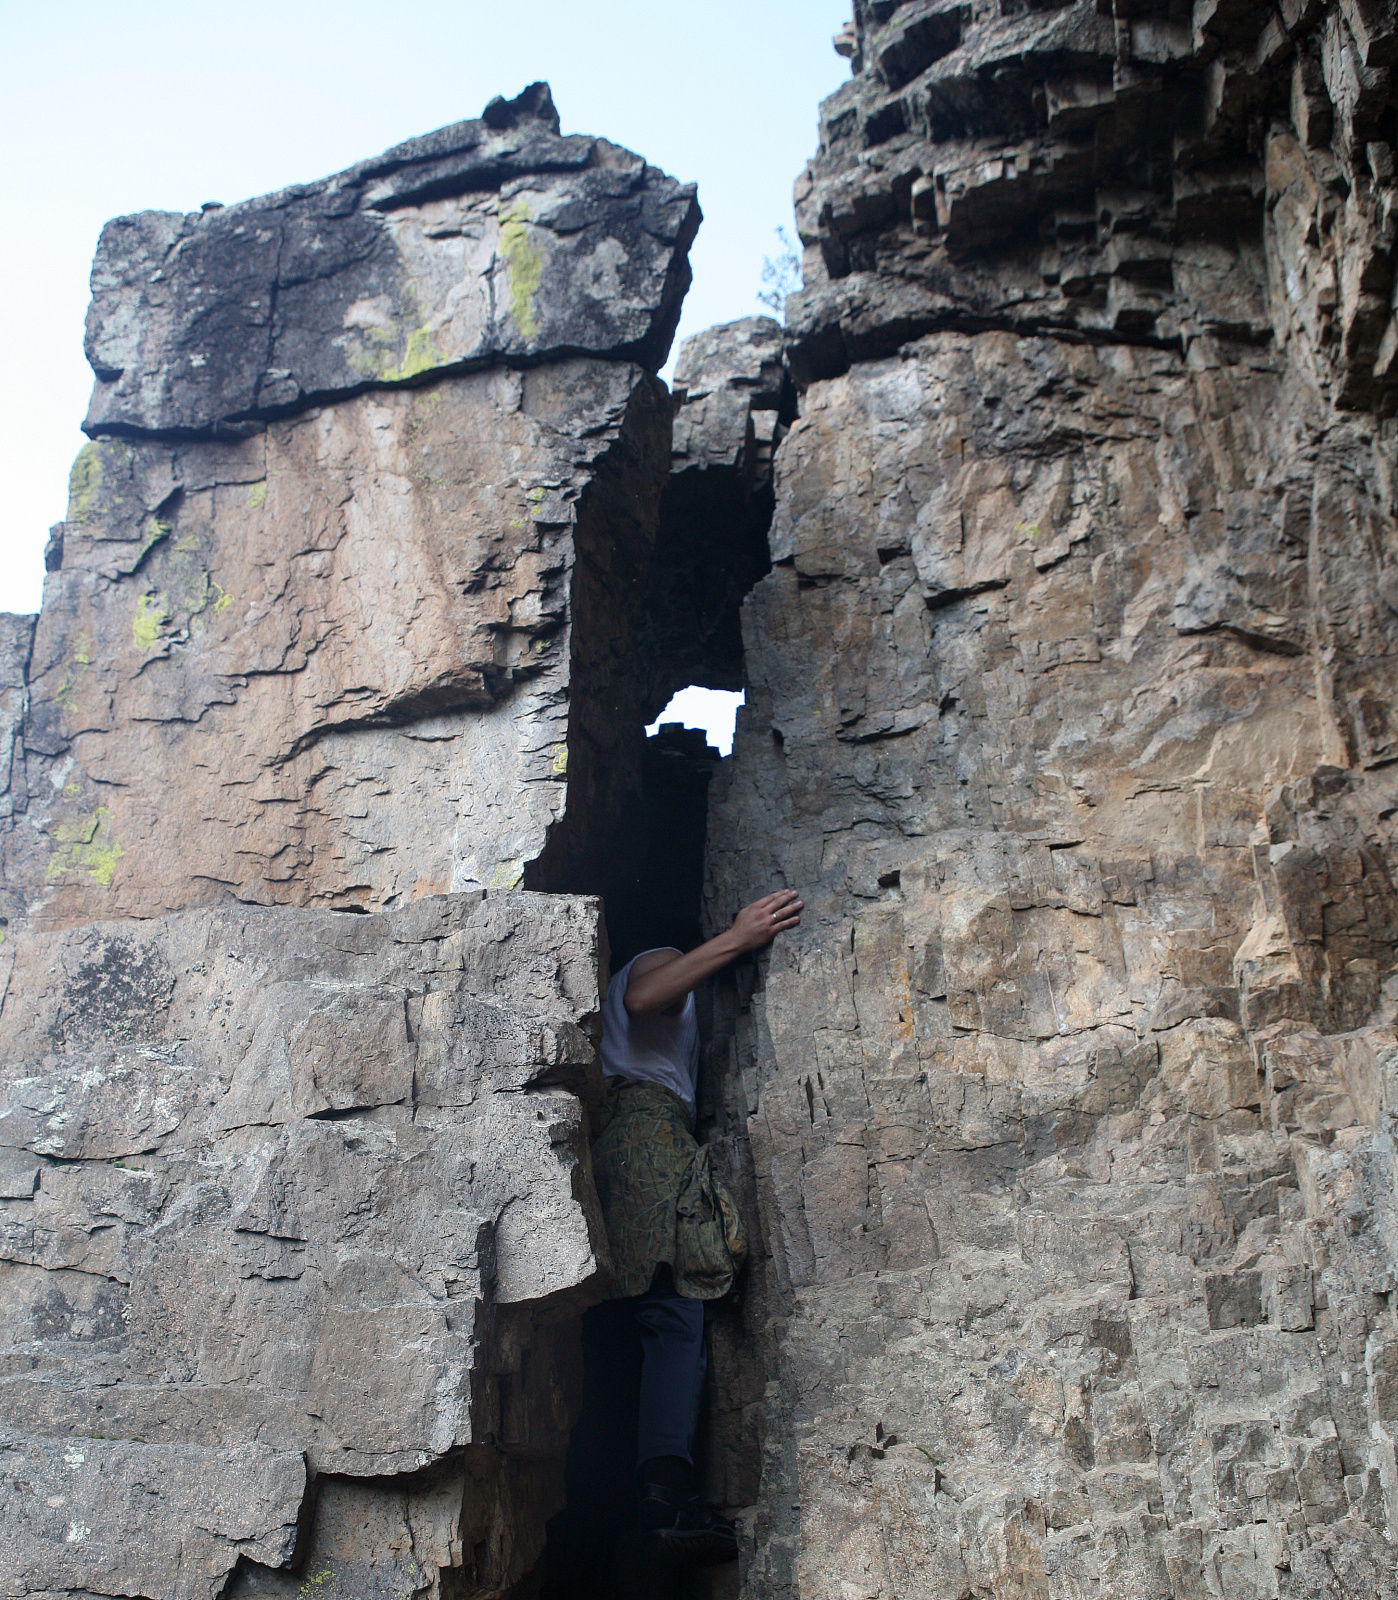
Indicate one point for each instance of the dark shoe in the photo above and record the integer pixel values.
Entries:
(680, 1529)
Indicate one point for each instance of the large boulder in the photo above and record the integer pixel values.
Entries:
(285, 1190)
(492, 240)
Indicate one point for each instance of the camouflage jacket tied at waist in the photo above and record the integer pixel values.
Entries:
(660, 1198)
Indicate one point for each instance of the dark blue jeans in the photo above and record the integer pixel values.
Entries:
(673, 1363)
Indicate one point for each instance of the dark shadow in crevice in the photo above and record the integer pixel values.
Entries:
(594, 1549)
(636, 827)
(710, 550)
(653, 897)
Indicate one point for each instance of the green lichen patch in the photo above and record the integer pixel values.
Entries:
(395, 351)
(74, 664)
(524, 261)
(369, 356)
(188, 595)
(507, 875)
(99, 482)
(257, 495)
(153, 530)
(86, 849)
(420, 354)
(152, 613)
(84, 480)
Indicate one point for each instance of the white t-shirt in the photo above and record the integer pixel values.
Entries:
(652, 1047)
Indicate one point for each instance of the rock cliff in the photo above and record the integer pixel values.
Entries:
(1069, 1116)
(297, 1216)
(1053, 541)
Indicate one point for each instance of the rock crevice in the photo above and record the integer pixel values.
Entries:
(1052, 540)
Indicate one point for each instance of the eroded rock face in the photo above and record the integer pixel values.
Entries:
(330, 664)
(1069, 1113)
(293, 1178)
(493, 239)
(296, 1214)
(366, 650)
(1065, 1126)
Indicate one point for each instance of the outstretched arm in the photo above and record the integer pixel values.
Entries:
(660, 980)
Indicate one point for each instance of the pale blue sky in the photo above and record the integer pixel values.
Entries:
(151, 104)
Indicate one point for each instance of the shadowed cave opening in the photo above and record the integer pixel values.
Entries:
(709, 551)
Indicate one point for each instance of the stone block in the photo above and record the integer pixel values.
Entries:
(483, 242)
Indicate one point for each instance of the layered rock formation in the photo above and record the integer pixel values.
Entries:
(1064, 1127)
(319, 619)
(272, 1200)
(1069, 1115)
(297, 1215)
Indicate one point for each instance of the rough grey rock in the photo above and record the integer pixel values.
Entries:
(488, 241)
(1065, 1126)
(347, 645)
(295, 1178)
(1093, 171)
(1056, 1095)
(290, 1182)
(16, 640)
(1067, 1121)
(731, 388)
(115, 1518)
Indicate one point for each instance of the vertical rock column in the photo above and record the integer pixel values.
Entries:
(364, 450)
(1069, 1111)
(295, 1206)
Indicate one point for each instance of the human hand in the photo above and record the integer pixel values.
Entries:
(758, 924)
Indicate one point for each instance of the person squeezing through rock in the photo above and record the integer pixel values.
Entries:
(675, 1233)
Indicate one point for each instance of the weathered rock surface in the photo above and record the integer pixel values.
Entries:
(338, 661)
(1065, 1125)
(16, 641)
(294, 1178)
(335, 663)
(102, 1517)
(296, 1219)
(490, 240)
(1069, 1115)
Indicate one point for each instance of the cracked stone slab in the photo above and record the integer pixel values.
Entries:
(333, 662)
(280, 1175)
(491, 240)
(169, 1522)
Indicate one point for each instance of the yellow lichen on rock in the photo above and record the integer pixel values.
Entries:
(524, 261)
(88, 848)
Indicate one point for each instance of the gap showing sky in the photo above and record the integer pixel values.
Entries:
(713, 710)
(155, 105)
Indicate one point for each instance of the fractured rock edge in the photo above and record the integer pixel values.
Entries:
(288, 1176)
(494, 240)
